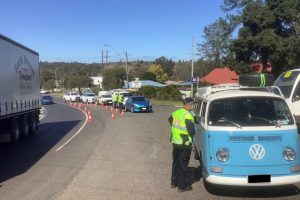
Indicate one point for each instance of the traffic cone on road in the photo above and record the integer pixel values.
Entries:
(106, 107)
(111, 109)
(80, 105)
(122, 114)
(103, 105)
(74, 105)
(71, 103)
(85, 110)
(116, 110)
(112, 116)
(90, 119)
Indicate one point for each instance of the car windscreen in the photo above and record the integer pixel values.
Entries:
(90, 95)
(47, 97)
(286, 82)
(74, 94)
(249, 111)
(135, 99)
(106, 96)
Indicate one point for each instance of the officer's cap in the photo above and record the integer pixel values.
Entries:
(188, 100)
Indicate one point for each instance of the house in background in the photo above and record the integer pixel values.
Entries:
(220, 76)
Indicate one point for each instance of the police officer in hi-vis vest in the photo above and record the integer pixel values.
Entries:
(183, 130)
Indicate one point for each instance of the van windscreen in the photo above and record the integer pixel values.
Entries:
(249, 111)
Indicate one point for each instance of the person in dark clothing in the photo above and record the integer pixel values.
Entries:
(183, 130)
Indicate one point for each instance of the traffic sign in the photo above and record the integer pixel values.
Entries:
(194, 80)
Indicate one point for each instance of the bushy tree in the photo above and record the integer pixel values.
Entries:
(269, 33)
(216, 37)
(148, 76)
(114, 78)
(160, 74)
(166, 64)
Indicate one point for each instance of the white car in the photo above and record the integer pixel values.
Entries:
(71, 96)
(89, 98)
(105, 97)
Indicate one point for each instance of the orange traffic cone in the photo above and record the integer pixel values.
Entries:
(112, 116)
(111, 109)
(106, 107)
(71, 103)
(90, 119)
(80, 105)
(74, 105)
(103, 105)
(116, 110)
(122, 114)
(85, 110)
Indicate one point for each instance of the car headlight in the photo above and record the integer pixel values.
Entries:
(223, 154)
(289, 154)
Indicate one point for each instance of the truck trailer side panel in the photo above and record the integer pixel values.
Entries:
(19, 78)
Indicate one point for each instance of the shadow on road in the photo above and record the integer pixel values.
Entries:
(194, 174)
(17, 159)
(253, 192)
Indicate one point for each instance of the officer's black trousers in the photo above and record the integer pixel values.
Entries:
(181, 158)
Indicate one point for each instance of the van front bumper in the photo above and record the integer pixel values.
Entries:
(243, 181)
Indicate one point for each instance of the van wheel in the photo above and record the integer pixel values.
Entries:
(15, 135)
(24, 126)
(256, 80)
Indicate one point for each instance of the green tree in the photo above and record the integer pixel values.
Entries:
(166, 64)
(72, 82)
(49, 85)
(160, 74)
(269, 33)
(216, 36)
(148, 76)
(114, 78)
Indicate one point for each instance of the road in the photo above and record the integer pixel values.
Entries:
(124, 158)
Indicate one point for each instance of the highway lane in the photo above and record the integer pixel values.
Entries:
(125, 158)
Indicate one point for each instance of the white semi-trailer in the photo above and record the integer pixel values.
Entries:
(19, 90)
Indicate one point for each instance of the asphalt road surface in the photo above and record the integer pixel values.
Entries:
(125, 158)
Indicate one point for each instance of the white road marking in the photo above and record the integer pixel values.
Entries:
(79, 130)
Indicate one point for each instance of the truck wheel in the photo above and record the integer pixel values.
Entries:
(24, 127)
(15, 135)
(32, 124)
(256, 80)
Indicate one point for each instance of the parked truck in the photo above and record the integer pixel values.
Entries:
(19, 90)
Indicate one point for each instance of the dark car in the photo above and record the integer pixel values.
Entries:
(47, 100)
(138, 104)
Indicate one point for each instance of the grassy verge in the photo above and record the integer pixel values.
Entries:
(165, 102)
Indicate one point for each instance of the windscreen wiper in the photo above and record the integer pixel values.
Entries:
(229, 121)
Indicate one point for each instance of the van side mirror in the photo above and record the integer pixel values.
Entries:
(196, 119)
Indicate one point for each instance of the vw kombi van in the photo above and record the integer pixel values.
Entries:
(245, 137)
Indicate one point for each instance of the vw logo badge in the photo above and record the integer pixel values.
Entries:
(257, 152)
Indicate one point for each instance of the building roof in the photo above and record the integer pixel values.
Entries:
(147, 83)
(220, 76)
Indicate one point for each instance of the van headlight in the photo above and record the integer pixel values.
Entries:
(223, 154)
(289, 154)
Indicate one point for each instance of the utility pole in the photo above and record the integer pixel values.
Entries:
(192, 71)
(126, 61)
(102, 59)
(106, 59)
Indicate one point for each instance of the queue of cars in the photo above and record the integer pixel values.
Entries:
(131, 102)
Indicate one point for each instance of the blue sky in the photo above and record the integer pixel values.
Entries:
(78, 30)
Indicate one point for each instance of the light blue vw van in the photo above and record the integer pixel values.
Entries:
(245, 137)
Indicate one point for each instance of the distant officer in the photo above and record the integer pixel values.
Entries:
(115, 100)
(183, 130)
(120, 100)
